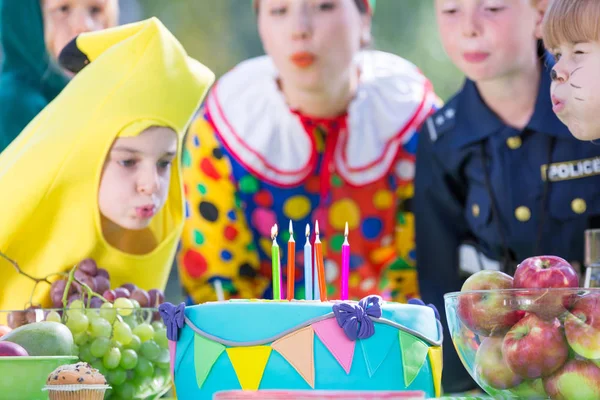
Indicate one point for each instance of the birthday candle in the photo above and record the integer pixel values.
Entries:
(345, 265)
(320, 266)
(275, 262)
(316, 292)
(308, 275)
(291, 264)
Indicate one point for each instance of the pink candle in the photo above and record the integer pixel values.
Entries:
(345, 265)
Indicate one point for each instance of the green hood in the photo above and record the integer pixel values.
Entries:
(28, 80)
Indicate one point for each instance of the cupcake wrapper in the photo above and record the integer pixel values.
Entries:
(76, 392)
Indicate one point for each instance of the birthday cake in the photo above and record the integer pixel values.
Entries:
(301, 345)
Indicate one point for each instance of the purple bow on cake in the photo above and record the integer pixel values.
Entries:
(355, 319)
(173, 317)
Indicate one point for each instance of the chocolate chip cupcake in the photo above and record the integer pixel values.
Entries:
(76, 382)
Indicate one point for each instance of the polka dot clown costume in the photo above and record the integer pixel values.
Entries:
(251, 162)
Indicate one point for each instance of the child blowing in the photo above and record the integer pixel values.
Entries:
(96, 173)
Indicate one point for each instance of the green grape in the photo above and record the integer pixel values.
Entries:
(53, 316)
(127, 390)
(160, 337)
(158, 325)
(112, 358)
(135, 343)
(108, 312)
(100, 346)
(131, 320)
(164, 357)
(122, 332)
(124, 306)
(100, 327)
(116, 376)
(81, 338)
(144, 368)
(77, 323)
(77, 304)
(144, 331)
(75, 349)
(117, 344)
(85, 354)
(136, 304)
(129, 359)
(150, 350)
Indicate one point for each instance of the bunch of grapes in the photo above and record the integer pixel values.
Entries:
(120, 334)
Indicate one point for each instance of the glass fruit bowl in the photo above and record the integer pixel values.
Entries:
(127, 345)
(529, 343)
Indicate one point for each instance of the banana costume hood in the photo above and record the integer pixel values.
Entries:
(131, 77)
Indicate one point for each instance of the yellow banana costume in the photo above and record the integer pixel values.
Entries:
(135, 75)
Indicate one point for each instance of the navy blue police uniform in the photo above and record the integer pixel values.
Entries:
(488, 195)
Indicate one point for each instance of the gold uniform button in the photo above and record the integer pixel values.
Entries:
(523, 213)
(578, 206)
(514, 142)
(475, 210)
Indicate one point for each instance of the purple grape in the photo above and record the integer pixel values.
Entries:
(73, 297)
(16, 319)
(156, 297)
(88, 266)
(122, 292)
(102, 284)
(109, 295)
(141, 296)
(129, 286)
(96, 302)
(104, 273)
(85, 278)
(31, 315)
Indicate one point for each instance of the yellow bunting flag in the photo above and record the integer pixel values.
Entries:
(414, 353)
(435, 360)
(249, 364)
(298, 349)
(206, 353)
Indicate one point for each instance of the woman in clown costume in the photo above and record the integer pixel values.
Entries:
(319, 129)
(96, 173)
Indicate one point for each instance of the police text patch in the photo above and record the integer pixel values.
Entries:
(568, 170)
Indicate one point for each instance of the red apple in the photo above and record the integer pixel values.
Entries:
(582, 326)
(545, 272)
(491, 367)
(534, 347)
(530, 390)
(489, 313)
(576, 380)
(12, 350)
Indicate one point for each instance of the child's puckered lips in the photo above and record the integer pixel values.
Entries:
(557, 104)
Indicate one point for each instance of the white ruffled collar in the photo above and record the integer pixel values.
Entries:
(256, 125)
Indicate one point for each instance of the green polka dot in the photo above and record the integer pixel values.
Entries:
(330, 290)
(238, 201)
(201, 189)
(198, 238)
(336, 242)
(251, 246)
(336, 181)
(400, 219)
(284, 237)
(248, 184)
(299, 293)
(186, 159)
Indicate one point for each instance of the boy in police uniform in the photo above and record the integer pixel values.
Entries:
(499, 178)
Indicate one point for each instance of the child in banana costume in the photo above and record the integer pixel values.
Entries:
(96, 173)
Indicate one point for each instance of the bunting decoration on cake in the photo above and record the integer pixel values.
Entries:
(375, 350)
(206, 353)
(435, 362)
(298, 349)
(336, 341)
(414, 353)
(249, 364)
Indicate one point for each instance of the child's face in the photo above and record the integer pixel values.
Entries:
(489, 39)
(136, 176)
(65, 19)
(576, 88)
(312, 42)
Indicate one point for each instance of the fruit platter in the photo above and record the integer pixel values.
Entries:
(116, 331)
(534, 335)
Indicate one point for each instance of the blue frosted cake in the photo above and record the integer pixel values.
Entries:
(300, 345)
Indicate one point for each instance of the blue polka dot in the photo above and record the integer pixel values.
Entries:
(196, 141)
(371, 228)
(411, 146)
(355, 261)
(187, 210)
(413, 254)
(392, 182)
(231, 215)
(226, 255)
